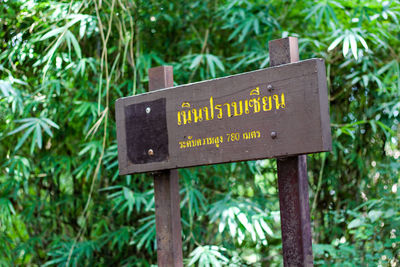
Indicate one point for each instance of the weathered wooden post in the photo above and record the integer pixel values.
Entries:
(166, 191)
(292, 181)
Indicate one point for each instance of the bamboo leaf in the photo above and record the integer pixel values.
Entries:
(353, 45)
(196, 61)
(75, 44)
(346, 44)
(22, 127)
(38, 135)
(335, 43)
(363, 42)
(22, 140)
(51, 123)
(52, 33)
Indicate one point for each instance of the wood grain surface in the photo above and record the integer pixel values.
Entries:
(268, 113)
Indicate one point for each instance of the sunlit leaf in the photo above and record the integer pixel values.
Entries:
(353, 45)
(346, 44)
(335, 43)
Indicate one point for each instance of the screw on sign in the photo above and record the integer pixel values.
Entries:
(278, 112)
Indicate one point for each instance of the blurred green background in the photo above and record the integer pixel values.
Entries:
(62, 66)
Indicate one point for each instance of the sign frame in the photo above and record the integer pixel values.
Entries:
(282, 110)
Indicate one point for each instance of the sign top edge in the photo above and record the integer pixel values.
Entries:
(225, 77)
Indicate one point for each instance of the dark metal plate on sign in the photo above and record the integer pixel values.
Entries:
(146, 132)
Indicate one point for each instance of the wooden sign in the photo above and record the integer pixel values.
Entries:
(268, 113)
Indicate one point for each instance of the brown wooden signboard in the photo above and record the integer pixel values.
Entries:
(268, 113)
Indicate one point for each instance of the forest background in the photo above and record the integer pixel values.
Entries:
(62, 66)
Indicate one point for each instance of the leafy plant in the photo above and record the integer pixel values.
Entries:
(62, 66)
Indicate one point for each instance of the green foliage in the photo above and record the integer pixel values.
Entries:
(62, 66)
(208, 256)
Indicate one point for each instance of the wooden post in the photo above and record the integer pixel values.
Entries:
(166, 193)
(292, 181)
